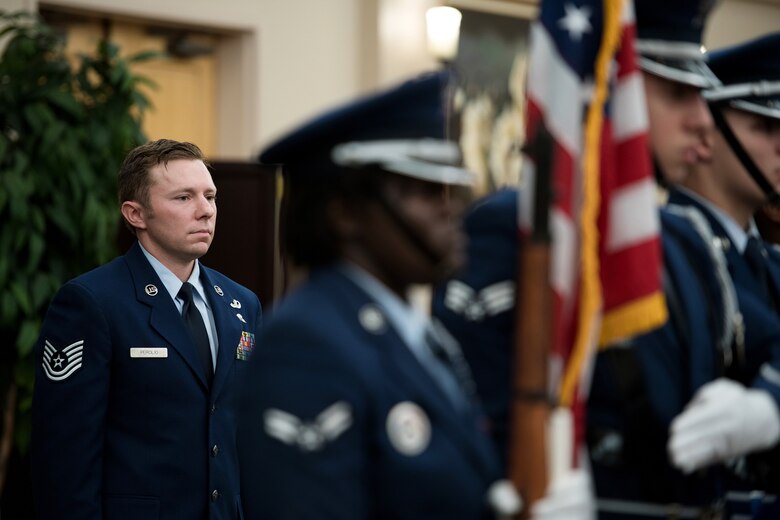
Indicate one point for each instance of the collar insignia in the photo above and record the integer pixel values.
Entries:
(372, 319)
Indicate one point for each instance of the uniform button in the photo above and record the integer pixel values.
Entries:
(214, 495)
(214, 450)
(213, 409)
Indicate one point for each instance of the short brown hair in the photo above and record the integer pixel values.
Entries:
(133, 182)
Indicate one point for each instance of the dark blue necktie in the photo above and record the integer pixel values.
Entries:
(447, 353)
(194, 321)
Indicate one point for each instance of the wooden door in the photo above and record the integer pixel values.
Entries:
(185, 97)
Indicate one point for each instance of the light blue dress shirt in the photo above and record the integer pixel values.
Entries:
(173, 285)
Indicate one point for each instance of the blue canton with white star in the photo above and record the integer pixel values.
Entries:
(575, 26)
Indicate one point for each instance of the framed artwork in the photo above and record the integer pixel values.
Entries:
(490, 98)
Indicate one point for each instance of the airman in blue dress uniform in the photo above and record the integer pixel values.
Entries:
(129, 419)
(729, 375)
(358, 405)
(726, 191)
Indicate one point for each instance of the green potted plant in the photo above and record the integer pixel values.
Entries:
(64, 130)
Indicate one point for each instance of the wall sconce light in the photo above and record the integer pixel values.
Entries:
(443, 26)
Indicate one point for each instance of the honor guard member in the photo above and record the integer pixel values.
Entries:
(358, 405)
(639, 389)
(743, 344)
(744, 174)
(628, 411)
(139, 362)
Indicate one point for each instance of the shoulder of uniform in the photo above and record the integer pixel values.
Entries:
(690, 223)
(706, 251)
(495, 211)
(773, 250)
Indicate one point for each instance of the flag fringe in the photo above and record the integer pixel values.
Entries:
(590, 296)
(641, 315)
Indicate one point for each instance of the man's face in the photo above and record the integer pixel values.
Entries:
(760, 137)
(181, 214)
(680, 126)
(433, 214)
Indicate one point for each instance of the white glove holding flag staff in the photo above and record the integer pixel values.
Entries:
(569, 497)
(724, 420)
(569, 494)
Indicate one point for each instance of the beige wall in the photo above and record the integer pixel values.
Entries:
(15, 5)
(285, 60)
(401, 41)
(737, 20)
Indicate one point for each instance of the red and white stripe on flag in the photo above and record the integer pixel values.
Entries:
(585, 85)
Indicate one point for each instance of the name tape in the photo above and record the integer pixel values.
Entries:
(148, 352)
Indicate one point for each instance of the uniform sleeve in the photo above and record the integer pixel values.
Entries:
(72, 376)
(301, 436)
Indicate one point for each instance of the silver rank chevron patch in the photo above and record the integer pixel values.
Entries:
(61, 364)
(476, 306)
(309, 436)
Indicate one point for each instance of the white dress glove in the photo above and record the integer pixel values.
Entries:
(724, 420)
(569, 497)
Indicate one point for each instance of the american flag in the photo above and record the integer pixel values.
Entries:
(584, 83)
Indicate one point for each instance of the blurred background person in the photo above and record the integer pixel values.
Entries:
(628, 413)
(358, 404)
(737, 414)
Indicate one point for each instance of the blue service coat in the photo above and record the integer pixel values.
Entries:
(342, 421)
(717, 328)
(747, 358)
(639, 387)
(758, 367)
(121, 434)
(737, 265)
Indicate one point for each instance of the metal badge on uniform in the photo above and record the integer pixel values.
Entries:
(61, 364)
(372, 319)
(218, 290)
(151, 290)
(245, 345)
(408, 428)
(721, 243)
(241, 318)
(308, 436)
(148, 352)
(235, 304)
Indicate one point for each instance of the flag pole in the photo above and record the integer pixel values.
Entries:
(530, 403)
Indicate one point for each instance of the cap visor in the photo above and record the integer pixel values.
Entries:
(695, 73)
